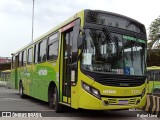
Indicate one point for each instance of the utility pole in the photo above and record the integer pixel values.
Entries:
(32, 20)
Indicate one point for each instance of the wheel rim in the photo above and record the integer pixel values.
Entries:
(54, 100)
(20, 90)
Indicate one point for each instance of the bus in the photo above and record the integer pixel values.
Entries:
(153, 77)
(95, 60)
(5, 78)
(5, 75)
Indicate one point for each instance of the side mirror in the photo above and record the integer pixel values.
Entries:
(77, 37)
(80, 40)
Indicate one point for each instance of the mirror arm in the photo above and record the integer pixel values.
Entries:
(81, 29)
(79, 56)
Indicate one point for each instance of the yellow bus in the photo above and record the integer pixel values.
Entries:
(153, 77)
(6, 75)
(94, 60)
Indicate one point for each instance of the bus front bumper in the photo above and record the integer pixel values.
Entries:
(88, 101)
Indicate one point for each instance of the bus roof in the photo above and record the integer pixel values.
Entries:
(58, 27)
(153, 68)
(6, 71)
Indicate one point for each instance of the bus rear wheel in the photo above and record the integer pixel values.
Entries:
(21, 93)
(53, 100)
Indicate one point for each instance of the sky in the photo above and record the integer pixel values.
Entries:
(16, 17)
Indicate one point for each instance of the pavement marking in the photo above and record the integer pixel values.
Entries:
(12, 99)
(46, 110)
(143, 118)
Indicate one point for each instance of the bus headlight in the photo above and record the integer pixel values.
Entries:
(86, 87)
(96, 93)
(91, 90)
(143, 92)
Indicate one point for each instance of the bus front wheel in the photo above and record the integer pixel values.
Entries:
(53, 100)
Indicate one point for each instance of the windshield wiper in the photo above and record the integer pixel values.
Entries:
(108, 34)
(111, 38)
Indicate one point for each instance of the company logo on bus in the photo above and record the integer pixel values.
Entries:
(42, 72)
(109, 91)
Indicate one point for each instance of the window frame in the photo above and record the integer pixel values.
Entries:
(20, 59)
(28, 56)
(39, 51)
(13, 62)
(36, 47)
(24, 64)
(51, 42)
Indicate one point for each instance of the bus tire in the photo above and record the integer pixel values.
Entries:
(21, 93)
(54, 100)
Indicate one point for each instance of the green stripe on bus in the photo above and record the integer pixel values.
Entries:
(133, 39)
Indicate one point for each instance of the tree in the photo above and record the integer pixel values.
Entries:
(154, 29)
(153, 55)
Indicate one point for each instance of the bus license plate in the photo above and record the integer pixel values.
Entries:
(123, 102)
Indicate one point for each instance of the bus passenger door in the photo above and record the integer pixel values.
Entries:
(70, 34)
(67, 60)
(29, 74)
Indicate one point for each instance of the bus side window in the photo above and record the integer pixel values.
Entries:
(157, 76)
(13, 62)
(24, 60)
(42, 51)
(20, 59)
(36, 53)
(29, 61)
(53, 47)
(152, 76)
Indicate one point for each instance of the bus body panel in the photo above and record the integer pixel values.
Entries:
(36, 79)
(87, 101)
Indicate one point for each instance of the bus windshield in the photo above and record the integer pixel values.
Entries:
(113, 53)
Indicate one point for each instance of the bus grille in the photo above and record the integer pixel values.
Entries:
(116, 79)
(121, 81)
(114, 101)
(132, 101)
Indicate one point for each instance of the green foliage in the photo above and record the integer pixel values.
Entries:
(153, 30)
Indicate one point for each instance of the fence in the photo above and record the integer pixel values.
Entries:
(152, 105)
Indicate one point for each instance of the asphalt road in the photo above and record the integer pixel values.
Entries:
(11, 102)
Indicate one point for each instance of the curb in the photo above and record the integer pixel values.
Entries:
(3, 83)
(152, 105)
